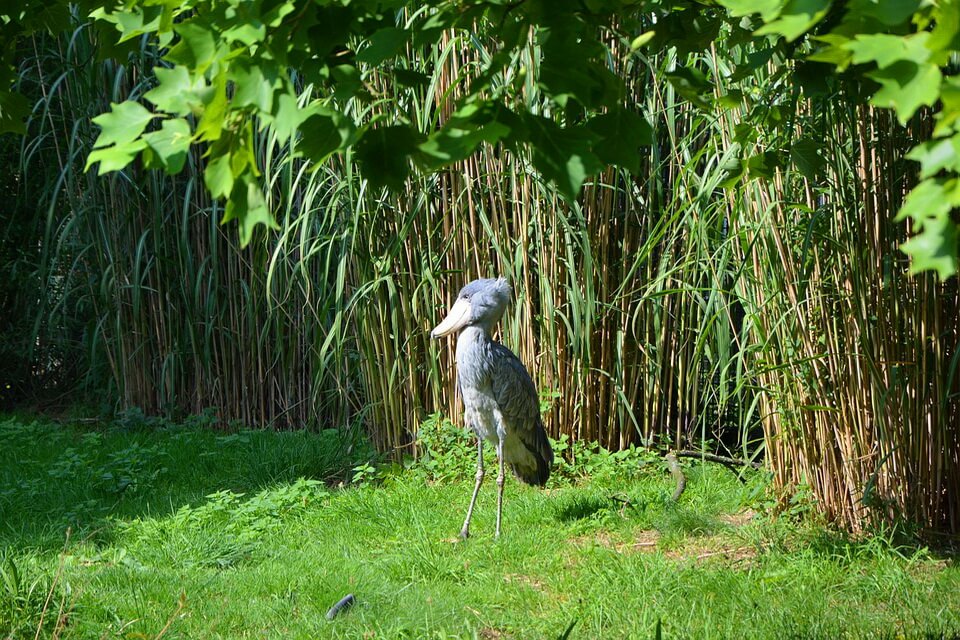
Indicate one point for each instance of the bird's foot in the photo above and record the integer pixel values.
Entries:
(464, 534)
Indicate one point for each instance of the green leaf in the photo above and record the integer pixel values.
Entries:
(945, 36)
(449, 145)
(936, 155)
(731, 99)
(734, 171)
(754, 61)
(885, 50)
(887, 12)
(213, 109)
(287, 116)
(805, 154)
(935, 248)
(254, 84)
(813, 77)
(13, 109)
(384, 44)
(929, 199)
(562, 155)
(796, 18)
(744, 133)
(175, 91)
(834, 51)
(950, 106)
(592, 85)
(348, 81)
(218, 176)
(762, 165)
(384, 155)
(248, 33)
(620, 136)
(243, 158)
(116, 157)
(570, 68)
(134, 21)
(411, 78)
(907, 86)
(452, 144)
(124, 123)
(693, 85)
(641, 40)
(248, 207)
(768, 9)
(467, 128)
(321, 134)
(169, 145)
(196, 48)
(277, 11)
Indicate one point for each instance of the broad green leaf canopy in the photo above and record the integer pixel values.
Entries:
(233, 67)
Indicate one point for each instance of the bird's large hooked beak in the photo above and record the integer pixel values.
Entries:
(458, 317)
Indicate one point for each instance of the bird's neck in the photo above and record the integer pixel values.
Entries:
(473, 347)
(471, 339)
(474, 334)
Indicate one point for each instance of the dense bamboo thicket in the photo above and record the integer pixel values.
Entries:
(620, 305)
(661, 309)
(178, 319)
(857, 360)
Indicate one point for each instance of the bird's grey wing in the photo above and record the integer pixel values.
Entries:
(513, 388)
(467, 415)
(516, 397)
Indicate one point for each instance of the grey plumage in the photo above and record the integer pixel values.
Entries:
(499, 397)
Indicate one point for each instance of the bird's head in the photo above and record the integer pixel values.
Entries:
(481, 303)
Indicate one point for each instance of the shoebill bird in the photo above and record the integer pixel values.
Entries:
(499, 398)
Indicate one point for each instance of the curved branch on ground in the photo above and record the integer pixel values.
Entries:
(677, 474)
(732, 463)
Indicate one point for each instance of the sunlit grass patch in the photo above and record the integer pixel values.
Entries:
(241, 544)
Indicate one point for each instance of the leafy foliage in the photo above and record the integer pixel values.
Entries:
(448, 452)
(899, 52)
(24, 592)
(640, 275)
(83, 478)
(229, 526)
(231, 73)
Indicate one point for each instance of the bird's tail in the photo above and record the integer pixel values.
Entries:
(538, 445)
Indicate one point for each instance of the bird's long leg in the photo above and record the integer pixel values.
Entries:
(465, 532)
(500, 479)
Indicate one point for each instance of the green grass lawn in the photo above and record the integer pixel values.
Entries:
(182, 532)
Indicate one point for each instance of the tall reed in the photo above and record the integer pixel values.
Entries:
(855, 360)
(619, 311)
(182, 318)
(663, 309)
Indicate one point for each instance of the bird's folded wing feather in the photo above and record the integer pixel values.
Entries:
(514, 389)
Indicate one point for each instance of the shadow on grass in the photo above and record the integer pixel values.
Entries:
(680, 522)
(902, 541)
(54, 477)
(580, 506)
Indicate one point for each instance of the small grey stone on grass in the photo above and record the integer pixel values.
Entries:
(344, 603)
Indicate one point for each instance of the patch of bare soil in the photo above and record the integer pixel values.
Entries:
(529, 581)
(723, 547)
(643, 541)
(598, 538)
(738, 519)
(714, 548)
